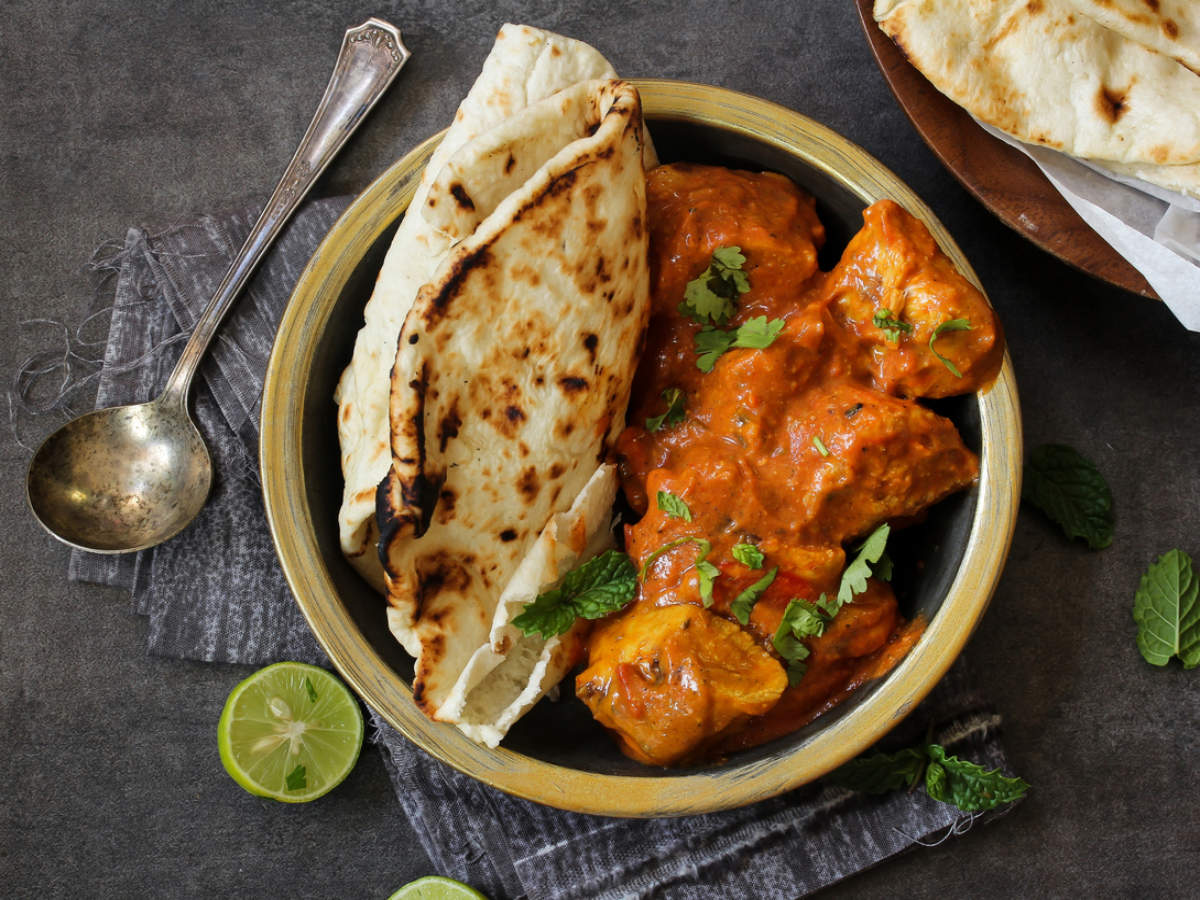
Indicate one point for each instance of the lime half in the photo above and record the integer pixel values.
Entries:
(435, 887)
(290, 732)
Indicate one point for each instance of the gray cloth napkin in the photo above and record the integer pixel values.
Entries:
(216, 592)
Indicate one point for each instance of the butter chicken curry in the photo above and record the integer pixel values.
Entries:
(774, 428)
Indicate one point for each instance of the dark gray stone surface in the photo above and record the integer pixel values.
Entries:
(113, 114)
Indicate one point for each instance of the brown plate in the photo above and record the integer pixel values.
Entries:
(1002, 178)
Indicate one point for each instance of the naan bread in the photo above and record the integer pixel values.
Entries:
(513, 367)
(512, 671)
(1047, 74)
(1169, 27)
(525, 66)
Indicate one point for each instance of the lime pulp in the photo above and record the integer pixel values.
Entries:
(435, 887)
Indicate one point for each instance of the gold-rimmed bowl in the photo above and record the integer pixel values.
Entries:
(557, 755)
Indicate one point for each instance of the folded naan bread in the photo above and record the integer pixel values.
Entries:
(1048, 74)
(509, 386)
(1169, 27)
(525, 65)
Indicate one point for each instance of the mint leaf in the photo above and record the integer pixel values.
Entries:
(968, 785)
(1167, 613)
(711, 344)
(757, 333)
(673, 415)
(1067, 487)
(744, 602)
(706, 572)
(854, 579)
(602, 585)
(748, 555)
(712, 295)
(880, 773)
(312, 691)
(891, 326)
(297, 779)
(950, 325)
(673, 506)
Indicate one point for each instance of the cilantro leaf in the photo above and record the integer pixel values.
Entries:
(706, 572)
(1167, 611)
(1067, 487)
(968, 785)
(674, 414)
(711, 343)
(602, 585)
(312, 691)
(712, 295)
(754, 334)
(880, 773)
(705, 546)
(854, 579)
(297, 779)
(673, 506)
(948, 325)
(748, 555)
(744, 602)
(800, 619)
(757, 333)
(890, 325)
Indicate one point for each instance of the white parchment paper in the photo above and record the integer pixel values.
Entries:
(1157, 230)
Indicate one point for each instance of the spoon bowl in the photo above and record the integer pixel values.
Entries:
(129, 477)
(121, 479)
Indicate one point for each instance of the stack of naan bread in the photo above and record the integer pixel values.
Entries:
(1113, 82)
(492, 373)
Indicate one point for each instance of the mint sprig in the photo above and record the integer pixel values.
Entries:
(1067, 487)
(1167, 611)
(946, 778)
(602, 585)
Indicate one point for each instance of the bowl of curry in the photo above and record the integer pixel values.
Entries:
(819, 493)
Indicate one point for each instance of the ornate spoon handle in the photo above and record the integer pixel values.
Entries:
(371, 56)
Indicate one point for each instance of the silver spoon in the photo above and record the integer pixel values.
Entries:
(129, 477)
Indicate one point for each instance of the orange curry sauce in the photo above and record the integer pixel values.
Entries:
(800, 448)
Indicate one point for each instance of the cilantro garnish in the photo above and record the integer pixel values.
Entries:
(854, 579)
(748, 555)
(756, 334)
(891, 326)
(820, 445)
(947, 779)
(949, 325)
(705, 571)
(673, 506)
(744, 602)
(801, 619)
(1166, 608)
(1067, 487)
(297, 779)
(674, 413)
(602, 585)
(712, 295)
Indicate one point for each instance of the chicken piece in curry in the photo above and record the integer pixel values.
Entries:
(757, 469)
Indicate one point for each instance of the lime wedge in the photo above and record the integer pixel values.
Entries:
(290, 732)
(435, 887)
